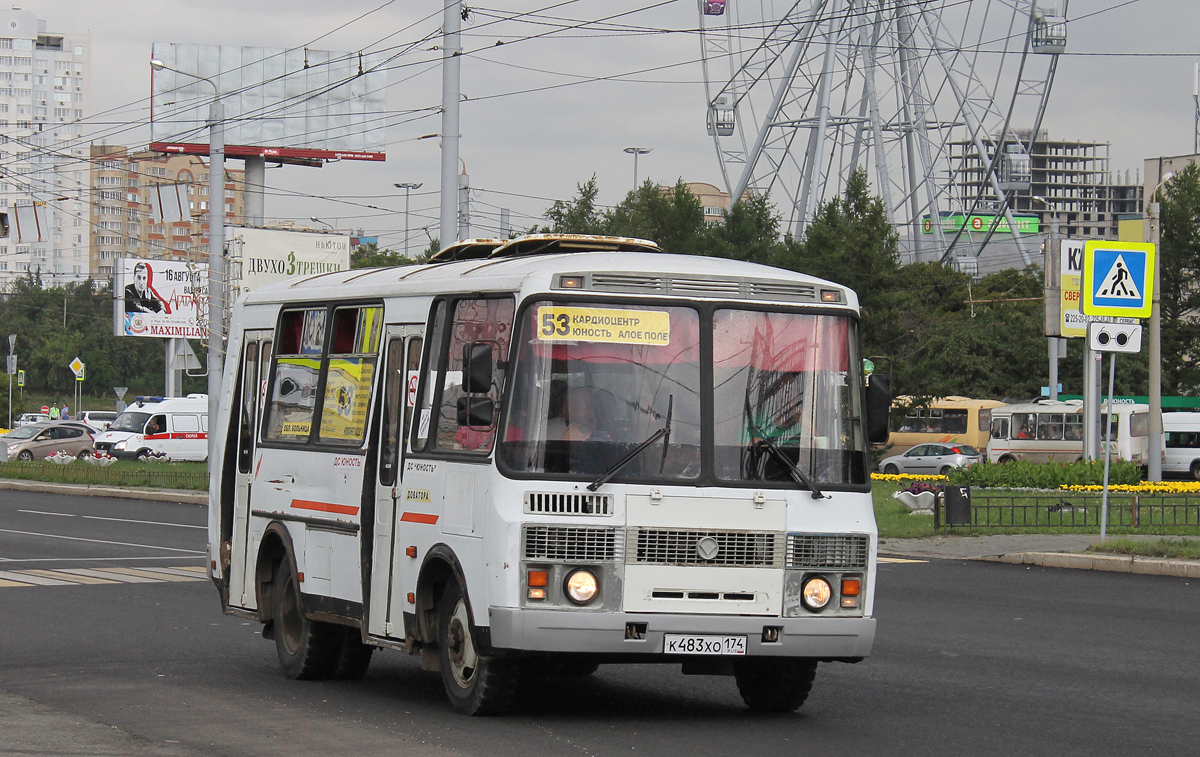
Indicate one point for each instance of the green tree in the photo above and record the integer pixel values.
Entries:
(674, 218)
(370, 256)
(1179, 261)
(577, 216)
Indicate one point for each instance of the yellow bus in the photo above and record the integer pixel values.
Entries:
(946, 420)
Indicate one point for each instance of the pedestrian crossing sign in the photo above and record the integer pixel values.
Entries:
(1118, 279)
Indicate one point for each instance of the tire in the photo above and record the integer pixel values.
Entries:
(83, 454)
(307, 649)
(475, 684)
(891, 469)
(353, 656)
(945, 471)
(1196, 470)
(1006, 459)
(25, 456)
(774, 684)
(142, 454)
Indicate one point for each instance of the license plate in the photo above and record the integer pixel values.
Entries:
(675, 643)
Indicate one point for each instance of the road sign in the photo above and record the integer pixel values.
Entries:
(1118, 279)
(45, 409)
(120, 390)
(12, 364)
(1115, 337)
(20, 378)
(76, 367)
(79, 376)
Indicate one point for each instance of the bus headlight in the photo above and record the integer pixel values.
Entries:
(582, 587)
(817, 593)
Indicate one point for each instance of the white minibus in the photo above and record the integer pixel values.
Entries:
(545, 454)
(1044, 431)
(1181, 432)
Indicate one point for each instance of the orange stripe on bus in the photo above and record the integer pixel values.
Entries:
(325, 507)
(419, 518)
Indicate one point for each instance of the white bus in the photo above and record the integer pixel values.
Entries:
(1044, 431)
(548, 454)
(1182, 439)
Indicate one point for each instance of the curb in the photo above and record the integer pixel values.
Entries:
(1151, 566)
(87, 490)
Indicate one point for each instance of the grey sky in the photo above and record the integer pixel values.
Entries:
(542, 144)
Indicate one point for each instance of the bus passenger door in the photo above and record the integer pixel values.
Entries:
(402, 359)
(256, 363)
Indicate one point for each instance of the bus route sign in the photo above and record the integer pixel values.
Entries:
(1118, 279)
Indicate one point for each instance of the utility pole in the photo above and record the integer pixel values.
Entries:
(12, 369)
(451, 60)
(635, 152)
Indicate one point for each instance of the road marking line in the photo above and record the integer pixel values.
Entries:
(42, 512)
(194, 568)
(176, 571)
(146, 522)
(102, 541)
(103, 574)
(69, 577)
(898, 559)
(9, 584)
(90, 559)
(38, 580)
(157, 576)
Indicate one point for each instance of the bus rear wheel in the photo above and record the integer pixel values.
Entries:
(307, 649)
(353, 656)
(476, 684)
(773, 684)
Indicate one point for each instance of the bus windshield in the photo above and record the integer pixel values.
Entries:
(593, 382)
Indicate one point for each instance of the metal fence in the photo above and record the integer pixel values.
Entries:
(1068, 510)
(151, 475)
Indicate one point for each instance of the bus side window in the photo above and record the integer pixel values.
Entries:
(985, 418)
(395, 396)
(1024, 425)
(1000, 428)
(475, 320)
(249, 407)
(1074, 428)
(429, 383)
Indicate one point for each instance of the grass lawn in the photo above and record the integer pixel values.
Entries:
(129, 473)
(1188, 549)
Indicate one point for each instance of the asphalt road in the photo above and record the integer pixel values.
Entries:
(971, 659)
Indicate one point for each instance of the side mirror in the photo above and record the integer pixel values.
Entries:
(476, 412)
(879, 406)
(477, 368)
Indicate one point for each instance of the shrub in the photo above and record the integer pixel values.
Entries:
(1024, 474)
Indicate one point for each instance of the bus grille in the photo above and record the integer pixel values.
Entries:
(703, 287)
(760, 549)
(570, 544)
(828, 551)
(568, 503)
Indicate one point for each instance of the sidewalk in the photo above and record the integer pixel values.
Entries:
(1046, 550)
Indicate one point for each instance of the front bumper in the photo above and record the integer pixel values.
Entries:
(605, 633)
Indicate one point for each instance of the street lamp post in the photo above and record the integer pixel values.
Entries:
(406, 186)
(1053, 347)
(1154, 437)
(318, 220)
(216, 260)
(635, 152)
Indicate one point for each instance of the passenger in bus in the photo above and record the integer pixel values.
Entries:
(583, 420)
(1026, 431)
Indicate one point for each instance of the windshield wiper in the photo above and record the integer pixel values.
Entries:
(797, 474)
(665, 431)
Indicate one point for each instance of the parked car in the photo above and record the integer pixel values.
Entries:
(27, 418)
(931, 459)
(37, 441)
(97, 419)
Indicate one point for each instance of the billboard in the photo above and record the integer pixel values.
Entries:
(297, 104)
(982, 222)
(160, 298)
(263, 256)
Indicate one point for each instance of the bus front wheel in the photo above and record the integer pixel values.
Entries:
(307, 649)
(476, 684)
(773, 684)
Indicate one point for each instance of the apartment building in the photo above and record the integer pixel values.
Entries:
(45, 82)
(122, 214)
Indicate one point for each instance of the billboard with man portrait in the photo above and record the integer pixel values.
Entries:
(160, 298)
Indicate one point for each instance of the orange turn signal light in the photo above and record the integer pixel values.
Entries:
(851, 587)
(538, 577)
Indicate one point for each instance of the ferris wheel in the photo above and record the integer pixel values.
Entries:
(939, 100)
